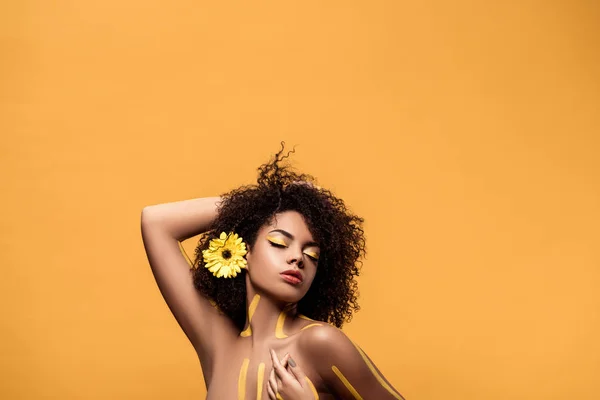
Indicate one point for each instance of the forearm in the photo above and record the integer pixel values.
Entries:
(182, 219)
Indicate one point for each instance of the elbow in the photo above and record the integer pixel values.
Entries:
(145, 212)
(147, 215)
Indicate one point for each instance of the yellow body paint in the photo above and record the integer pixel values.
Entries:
(279, 334)
(259, 381)
(313, 388)
(310, 326)
(242, 379)
(253, 304)
(190, 263)
(376, 374)
(312, 255)
(346, 382)
(278, 241)
(305, 317)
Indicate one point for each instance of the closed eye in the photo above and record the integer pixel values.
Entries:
(276, 242)
(278, 245)
(312, 256)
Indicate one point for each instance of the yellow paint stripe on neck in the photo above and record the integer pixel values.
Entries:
(253, 304)
(246, 332)
(377, 375)
(242, 379)
(346, 383)
(312, 387)
(279, 334)
(259, 382)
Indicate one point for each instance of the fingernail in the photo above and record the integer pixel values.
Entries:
(292, 362)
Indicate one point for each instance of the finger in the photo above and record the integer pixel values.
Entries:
(272, 383)
(284, 365)
(271, 393)
(276, 382)
(296, 371)
(280, 371)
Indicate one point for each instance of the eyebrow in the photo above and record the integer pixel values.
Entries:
(289, 235)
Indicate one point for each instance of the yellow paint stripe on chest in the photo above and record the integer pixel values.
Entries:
(242, 379)
(313, 388)
(346, 383)
(259, 382)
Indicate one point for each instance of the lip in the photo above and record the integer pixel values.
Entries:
(292, 276)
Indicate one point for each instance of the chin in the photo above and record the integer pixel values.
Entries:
(287, 294)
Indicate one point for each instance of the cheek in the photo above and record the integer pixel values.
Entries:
(313, 273)
(263, 261)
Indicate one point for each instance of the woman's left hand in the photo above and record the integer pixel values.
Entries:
(287, 385)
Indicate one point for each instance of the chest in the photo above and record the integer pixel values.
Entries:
(243, 372)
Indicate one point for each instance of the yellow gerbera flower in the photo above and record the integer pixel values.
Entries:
(225, 255)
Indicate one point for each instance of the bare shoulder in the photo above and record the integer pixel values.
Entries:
(344, 368)
(323, 339)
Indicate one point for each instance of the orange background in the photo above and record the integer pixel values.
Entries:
(465, 133)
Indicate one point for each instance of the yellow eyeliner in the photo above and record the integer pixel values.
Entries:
(312, 255)
(280, 242)
(276, 241)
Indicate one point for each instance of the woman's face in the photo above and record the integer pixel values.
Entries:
(283, 261)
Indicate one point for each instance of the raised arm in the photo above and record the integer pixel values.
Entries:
(164, 226)
(344, 366)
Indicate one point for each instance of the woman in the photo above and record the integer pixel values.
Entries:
(273, 280)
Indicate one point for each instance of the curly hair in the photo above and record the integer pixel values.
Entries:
(333, 294)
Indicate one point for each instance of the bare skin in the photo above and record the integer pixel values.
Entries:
(279, 354)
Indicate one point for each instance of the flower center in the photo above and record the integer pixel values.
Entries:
(226, 254)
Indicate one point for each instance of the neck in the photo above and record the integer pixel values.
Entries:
(264, 317)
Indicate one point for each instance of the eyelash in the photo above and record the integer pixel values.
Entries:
(312, 258)
(281, 246)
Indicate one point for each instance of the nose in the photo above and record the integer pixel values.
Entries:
(295, 257)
